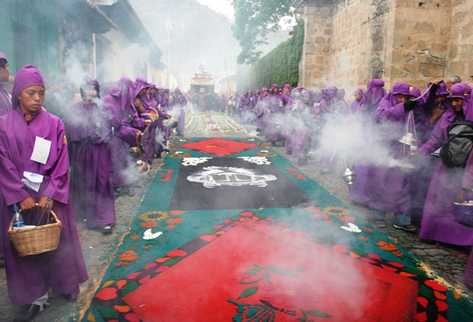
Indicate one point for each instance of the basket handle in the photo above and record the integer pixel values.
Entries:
(48, 217)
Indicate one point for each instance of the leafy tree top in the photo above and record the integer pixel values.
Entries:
(254, 19)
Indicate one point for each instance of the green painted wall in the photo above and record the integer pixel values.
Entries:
(29, 33)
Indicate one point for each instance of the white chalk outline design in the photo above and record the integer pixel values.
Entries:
(352, 228)
(188, 162)
(212, 177)
(257, 160)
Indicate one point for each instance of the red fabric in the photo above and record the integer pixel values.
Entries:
(219, 147)
(292, 274)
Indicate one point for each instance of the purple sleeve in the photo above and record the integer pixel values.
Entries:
(128, 134)
(11, 187)
(386, 111)
(437, 138)
(57, 186)
(138, 122)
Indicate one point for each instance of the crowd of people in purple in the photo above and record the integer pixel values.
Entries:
(431, 193)
(75, 165)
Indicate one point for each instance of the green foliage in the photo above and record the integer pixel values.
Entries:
(281, 65)
(254, 19)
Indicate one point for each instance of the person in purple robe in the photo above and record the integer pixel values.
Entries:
(261, 109)
(121, 113)
(426, 116)
(30, 278)
(92, 162)
(384, 187)
(299, 127)
(5, 97)
(329, 97)
(286, 95)
(374, 94)
(448, 185)
(360, 100)
(5, 106)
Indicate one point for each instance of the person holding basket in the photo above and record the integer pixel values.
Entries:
(34, 176)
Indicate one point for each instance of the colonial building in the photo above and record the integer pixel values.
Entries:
(105, 37)
(347, 42)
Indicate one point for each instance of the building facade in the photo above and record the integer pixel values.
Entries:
(103, 38)
(348, 42)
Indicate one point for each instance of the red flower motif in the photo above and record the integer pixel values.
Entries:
(121, 284)
(422, 301)
(441, 306)
(132, 317)
(133, 276)
(176, 253)
(128, 256)
(421, 317)
(162, 260)
(436, 286)
(219, 147)
(151, 265)
(122, 308)
(107, 294)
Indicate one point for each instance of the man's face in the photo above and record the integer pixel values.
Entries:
(400, 98)
(440, 100)
(4, 73)
(32, 99)
(457, 104)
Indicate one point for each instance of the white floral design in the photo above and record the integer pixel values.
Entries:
(351, 228)
(187, 162)
(257, 160)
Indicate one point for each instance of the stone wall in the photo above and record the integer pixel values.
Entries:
(460, 53)
(349, 42)
(317, 42)
(421, 32)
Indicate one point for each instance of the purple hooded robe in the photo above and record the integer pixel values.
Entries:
(63, 269)
(374, 94)
(91, 163)
(359, 103)
(438, 222)
(381, 187)
(118, 106)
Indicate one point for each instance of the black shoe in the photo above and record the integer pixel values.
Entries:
(407, 228)
(29, 313)
(107, 230)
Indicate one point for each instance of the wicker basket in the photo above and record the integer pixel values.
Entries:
(463, 212)
(36, 240)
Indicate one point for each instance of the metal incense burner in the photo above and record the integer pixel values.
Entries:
(410, 141)
(349, 176)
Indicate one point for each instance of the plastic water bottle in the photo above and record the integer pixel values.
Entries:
(18, 221)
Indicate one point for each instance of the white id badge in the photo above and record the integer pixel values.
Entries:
(41, 150)
(32, 180)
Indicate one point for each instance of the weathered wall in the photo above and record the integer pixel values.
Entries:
(317, 40)
(357, 43)
(350, 41)
(421, 34)
(460, 53)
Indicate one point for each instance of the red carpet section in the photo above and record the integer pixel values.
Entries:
(220, 147)
(262, 271)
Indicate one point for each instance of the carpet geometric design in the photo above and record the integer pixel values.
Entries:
(315, 259)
